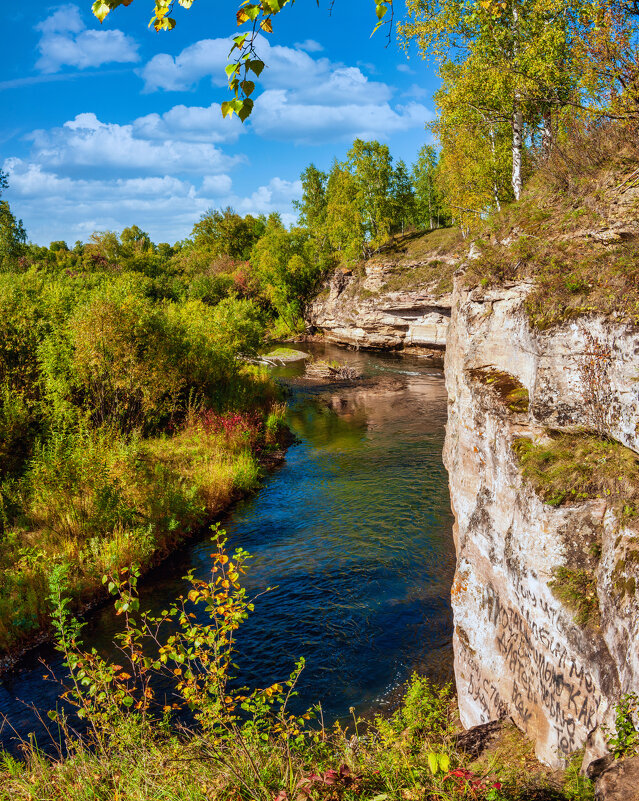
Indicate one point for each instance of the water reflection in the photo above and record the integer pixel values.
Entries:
(354, 533)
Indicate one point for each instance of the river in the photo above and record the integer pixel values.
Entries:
(354, 531)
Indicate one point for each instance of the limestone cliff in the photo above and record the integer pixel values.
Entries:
(518, 649)
(399, 299)
(541, 334)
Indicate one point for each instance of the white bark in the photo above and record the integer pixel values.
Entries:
(546, 135)
(495, 187)
(518, 133)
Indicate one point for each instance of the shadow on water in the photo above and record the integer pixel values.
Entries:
(354, 533)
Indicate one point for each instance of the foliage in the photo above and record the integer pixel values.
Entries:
(106, 359)
(430, 206)
(624, 741)
(226, 233)
(12, 233)
(247, 742)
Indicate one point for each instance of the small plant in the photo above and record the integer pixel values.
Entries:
(597, 393)
(625, 740)
(577, 589)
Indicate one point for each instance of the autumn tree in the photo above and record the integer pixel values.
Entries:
(525, 54)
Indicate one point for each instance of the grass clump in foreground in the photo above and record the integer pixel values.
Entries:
(247, 743)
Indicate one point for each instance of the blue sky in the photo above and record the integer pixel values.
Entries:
(113, 125)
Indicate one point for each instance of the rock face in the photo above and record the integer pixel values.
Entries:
(364, 312)
(620, 782)
(518, 650)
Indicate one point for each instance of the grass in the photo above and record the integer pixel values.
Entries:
(552, 236)
(437, 273)
(434, 248)
(577, 589)
(420, 245)
(509, 390)
(286, 354)
(135, 751)
(96, 501)
(388, 760)
(566, 467)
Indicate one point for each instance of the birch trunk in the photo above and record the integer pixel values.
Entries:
(495, 187)
(546, 135)
(518, 132)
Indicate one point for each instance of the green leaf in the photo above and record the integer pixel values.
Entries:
(256, 66)
(433, 763)
(247, 87)
(100, 9)
(127, 701)
(444, 762)
(380, 10)
(230, 69)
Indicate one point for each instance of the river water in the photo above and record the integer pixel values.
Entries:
(354, 531)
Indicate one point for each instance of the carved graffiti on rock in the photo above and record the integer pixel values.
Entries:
(541, 677)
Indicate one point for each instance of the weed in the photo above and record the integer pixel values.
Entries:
(248, 745)
(577, 589)
(507, 388)
(625, 739)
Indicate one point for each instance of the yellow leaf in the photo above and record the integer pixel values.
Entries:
(266, 25)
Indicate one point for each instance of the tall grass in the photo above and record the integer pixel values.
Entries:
(248, 744)
(96, 500)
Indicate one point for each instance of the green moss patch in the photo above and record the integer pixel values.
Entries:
(511, 392)
(286, 355)
(577, 466)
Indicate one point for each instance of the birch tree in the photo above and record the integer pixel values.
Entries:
(528, 48)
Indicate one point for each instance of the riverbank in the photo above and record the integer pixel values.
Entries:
(173, 486)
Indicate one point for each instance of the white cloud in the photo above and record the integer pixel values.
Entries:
(405, 68)
(310, 45)
(275, 117)
(273, 196)
(208, 57)
(286, 68)
(65, 40)
(55, 207)
(306, 99)
(190, 123)
(216, 185)
(68, 208)
(87, 142)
